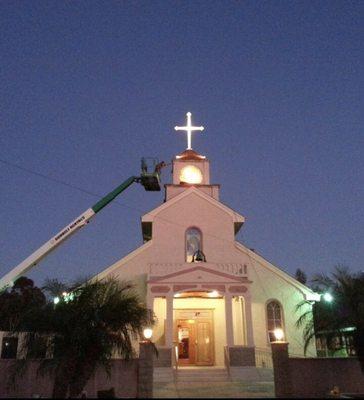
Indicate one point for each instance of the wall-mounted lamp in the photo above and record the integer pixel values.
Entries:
(148, 333)
(278, 334)
(328, 297)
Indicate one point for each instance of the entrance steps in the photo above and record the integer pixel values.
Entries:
(212, 374)
(251, 374)
(207, 374)
(186, 374)
(163, 375)
(213, 382)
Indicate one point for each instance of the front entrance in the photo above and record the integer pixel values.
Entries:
(194, 331)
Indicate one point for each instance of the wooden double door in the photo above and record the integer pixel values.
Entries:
(195, 338)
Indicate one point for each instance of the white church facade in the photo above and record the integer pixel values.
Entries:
(215, 300)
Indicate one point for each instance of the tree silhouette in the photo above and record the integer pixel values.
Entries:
(83, 330)
(301, 276)
(345, 312)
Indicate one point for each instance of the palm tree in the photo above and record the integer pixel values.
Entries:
(346, 311)
(84, 330)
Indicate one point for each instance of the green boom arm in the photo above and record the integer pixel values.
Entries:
(150, 181)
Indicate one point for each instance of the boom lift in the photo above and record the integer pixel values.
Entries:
(149, 178)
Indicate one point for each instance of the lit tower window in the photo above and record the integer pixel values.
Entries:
(190, 174)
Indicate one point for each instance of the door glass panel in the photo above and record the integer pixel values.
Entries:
(183, 342)
(203, 343)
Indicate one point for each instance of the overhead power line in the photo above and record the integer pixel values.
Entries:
(96, 195)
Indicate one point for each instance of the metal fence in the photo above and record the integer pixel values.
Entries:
(263, 358)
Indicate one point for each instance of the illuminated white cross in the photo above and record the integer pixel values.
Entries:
(189, 129)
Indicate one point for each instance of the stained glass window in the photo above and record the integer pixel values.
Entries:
(193, 242)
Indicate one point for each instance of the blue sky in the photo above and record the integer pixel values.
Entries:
(88, 88)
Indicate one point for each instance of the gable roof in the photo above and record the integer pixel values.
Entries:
(237, 218)
(123, 260)
(308, 293)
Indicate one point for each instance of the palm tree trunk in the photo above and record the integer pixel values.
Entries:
(62, 380)
(82, 375)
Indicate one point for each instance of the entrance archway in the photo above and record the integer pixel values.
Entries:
(195, 317)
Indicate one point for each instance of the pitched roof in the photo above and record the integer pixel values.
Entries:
(306, 291)
(149, 217)
(190, 155)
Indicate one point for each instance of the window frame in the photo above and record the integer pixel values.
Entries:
(267, 319)
(201, 241)
(4, 351)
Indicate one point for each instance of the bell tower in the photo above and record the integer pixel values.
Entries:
(190, 168)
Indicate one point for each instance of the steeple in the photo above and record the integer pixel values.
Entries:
(190, 168)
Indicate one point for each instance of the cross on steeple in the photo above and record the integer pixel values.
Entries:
(189, 129)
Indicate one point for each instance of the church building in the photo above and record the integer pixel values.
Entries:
(216, 302)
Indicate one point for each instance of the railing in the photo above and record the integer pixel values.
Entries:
(227, 361)
(263, 358)
(175, 361)
(233, 268)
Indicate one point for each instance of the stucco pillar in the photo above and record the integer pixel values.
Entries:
(145, 371)
(282, 376)
(248, 321)
(169, 320)
(150, 300)
(229, 320)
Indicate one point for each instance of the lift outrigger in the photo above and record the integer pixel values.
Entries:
(149, 178)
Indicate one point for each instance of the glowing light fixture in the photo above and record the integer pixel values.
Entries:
(147, 333)
(214, 293)
(279, 334)
(56, 300)
(189, 129)
(328, 297)
(190, 174)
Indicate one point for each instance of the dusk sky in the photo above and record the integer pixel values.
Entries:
(88, 88)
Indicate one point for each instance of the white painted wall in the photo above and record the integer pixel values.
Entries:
(217, 226)
(268, 286)
(159, 308)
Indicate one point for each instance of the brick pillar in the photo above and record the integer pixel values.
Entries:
(282, 376)
(145, 370)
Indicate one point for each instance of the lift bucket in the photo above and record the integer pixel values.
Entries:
(150, 175)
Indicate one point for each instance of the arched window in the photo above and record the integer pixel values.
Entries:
(274, 318)
(193, 242)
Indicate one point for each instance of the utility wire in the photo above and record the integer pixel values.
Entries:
(59, 181)
(98, 196)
